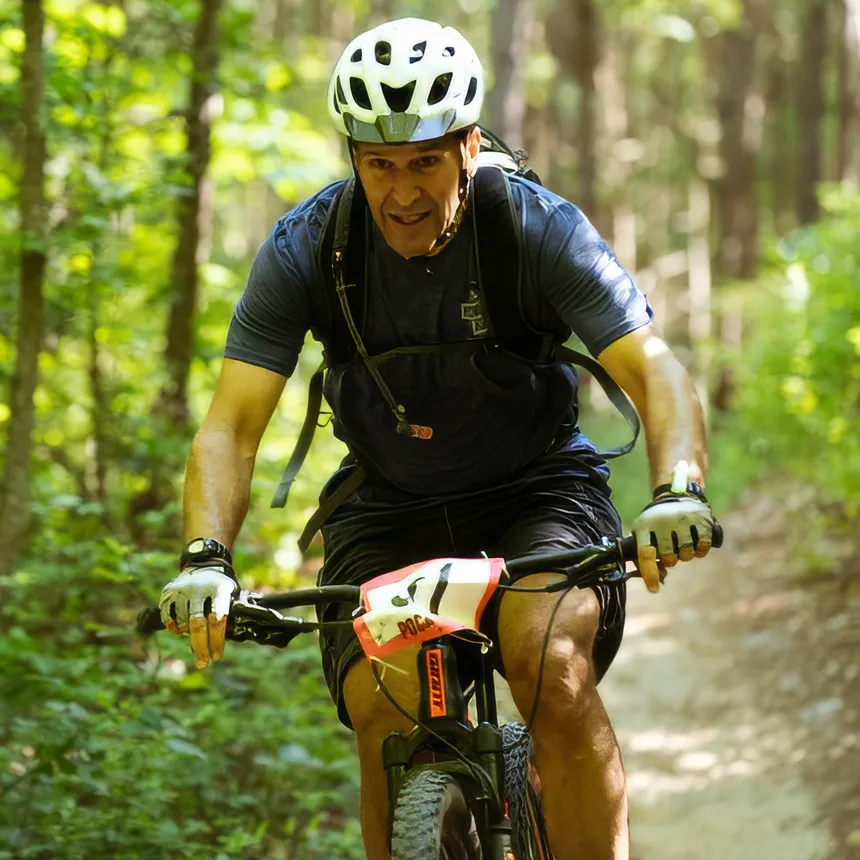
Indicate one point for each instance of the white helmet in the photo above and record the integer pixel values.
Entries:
(406, 81)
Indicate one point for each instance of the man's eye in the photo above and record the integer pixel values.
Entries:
(379, 163)
(427, 161)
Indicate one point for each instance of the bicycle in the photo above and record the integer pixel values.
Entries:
(481, 799)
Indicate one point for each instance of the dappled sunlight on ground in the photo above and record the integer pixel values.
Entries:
(717, 718)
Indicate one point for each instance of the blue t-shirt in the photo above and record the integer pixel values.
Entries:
(492, 414)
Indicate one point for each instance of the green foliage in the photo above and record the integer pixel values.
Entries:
(114, 747)
(798, 395)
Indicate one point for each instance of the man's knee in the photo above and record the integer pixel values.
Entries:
(372, 716)
(567, 680)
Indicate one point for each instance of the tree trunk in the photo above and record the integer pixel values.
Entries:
(782, 160)
(15, 508)
(738, 204)
(573, 35)
(847, 154)
(511, 26)
(810, 107)
(173, 400)
(699, 266)
(100, 413)
(586, 16)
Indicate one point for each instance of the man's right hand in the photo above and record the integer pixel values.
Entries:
(183, 608)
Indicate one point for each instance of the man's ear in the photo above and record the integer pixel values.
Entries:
(471, 148)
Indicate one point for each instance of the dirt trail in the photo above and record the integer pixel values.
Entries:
(735, 698)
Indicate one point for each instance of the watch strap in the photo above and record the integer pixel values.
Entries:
(201, 550)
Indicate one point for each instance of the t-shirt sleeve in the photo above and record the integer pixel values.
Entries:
(272, 317)
(585, 284)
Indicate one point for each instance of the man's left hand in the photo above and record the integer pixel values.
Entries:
(682, 528)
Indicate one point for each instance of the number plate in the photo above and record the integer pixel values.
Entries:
(425, 601)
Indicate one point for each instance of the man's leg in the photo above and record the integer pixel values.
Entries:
(577, 755)
(373, 718)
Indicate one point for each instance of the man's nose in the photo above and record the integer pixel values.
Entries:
(404, 190)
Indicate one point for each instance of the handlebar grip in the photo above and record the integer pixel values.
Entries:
(628, 548)
(628, 544)
(149, 620)
(717, 536)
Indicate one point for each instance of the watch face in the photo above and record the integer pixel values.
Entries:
(196, 545)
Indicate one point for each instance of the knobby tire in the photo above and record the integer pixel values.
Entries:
(530, 840)
(432, 820)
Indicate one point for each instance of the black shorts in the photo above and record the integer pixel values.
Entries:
(367, 537)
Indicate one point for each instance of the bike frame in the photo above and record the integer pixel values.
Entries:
(443, 712)
(444, 726)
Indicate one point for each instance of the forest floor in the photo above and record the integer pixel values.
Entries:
(736, 699)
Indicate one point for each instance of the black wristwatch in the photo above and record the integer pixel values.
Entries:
(693, 489)
(201, 550)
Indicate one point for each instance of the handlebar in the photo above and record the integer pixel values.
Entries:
(255, 616)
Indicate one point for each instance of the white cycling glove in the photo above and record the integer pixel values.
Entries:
(186, 596)
(680, 525)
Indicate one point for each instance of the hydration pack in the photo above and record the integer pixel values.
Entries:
(498, 281)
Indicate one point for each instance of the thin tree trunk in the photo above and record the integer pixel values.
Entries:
(511, 27)
(586, 13)
(15, 508)
(847, 154)
(810, 107)
(100, 409)
(573, 36)
(740, 138)
(173, 400)
(699, 266)
(782, 162)
(738, 204)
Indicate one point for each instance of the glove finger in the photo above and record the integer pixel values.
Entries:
(221, 603)
(217, 635)
(199, 628)
(196, 607)
(686, 543)
(647, 561)
(180, 611)
(702, 548)
(167, 610)
(666, 547)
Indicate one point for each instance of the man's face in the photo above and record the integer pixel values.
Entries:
(413, 188)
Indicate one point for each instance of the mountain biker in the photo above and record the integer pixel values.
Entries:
(505, 470)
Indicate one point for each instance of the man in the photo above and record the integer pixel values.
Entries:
(496, 462)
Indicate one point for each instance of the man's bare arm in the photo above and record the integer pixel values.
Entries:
(221, 462)
(664, 396)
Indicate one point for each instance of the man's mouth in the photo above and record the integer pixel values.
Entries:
(409, 220)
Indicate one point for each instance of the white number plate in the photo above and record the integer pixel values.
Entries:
(425, 601)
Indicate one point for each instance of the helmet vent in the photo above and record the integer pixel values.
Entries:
(356, 56)
(398, 98)
(334, 101)
(383, 53)
(418, 50)
(470, 93)
(339, 90)
(359, 93)
(439, 89)
(448, 52)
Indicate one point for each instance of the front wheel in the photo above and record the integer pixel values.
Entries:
(432, 820)
(522, 791)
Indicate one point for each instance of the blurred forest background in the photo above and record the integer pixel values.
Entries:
(147, 148)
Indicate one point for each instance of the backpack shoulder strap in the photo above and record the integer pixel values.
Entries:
(312, 414)
(499, 251)
(613, 391)
(345, 220)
